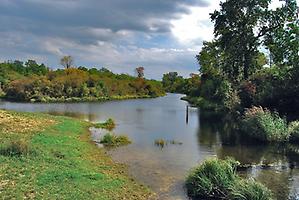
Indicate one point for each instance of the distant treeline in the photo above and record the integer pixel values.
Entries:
(174, 83)
(35, 82)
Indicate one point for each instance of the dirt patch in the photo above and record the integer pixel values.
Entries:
(11, 122)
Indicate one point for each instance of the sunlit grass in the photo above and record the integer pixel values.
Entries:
(64, 164)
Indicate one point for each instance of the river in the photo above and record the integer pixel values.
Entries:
(190, 142)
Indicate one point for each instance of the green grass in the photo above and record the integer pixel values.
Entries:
(249, 190)
(64, 165)
(115, 140)
(217, 179)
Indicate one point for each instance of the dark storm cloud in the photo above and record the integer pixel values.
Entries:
(135, 15)
(103, 32)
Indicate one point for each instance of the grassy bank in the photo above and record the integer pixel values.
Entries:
(47, 157)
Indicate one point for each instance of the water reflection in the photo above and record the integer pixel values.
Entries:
(203, 135)
(274, 165)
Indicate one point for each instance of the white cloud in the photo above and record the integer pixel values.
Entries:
(196, 25)
(124, 58)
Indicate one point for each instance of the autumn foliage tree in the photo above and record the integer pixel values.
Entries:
(30, 82)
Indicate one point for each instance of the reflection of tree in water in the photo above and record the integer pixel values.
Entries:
(214, 129)
(278, 181)
(89, 117)
(221, 132)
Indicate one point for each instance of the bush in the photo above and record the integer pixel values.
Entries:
(293, 130)
(262, 125)
(217, 179)
(250, 190)
(114, 140)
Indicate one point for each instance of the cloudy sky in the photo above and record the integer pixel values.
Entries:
(161, 35)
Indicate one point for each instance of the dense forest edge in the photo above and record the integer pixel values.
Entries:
(33, 82)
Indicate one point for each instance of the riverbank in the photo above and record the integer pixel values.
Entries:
(82, 99)
(47, 157)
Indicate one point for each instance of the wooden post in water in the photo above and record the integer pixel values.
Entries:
(187, 114)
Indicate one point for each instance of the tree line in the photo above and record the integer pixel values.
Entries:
(30, 81)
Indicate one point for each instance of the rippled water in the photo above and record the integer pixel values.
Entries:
(164, 169)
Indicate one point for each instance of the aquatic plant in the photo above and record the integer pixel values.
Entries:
(160, 143)
(249, 190)
(175, 142)
(265, 126)
(217, 179)
(115, 140)
(109, 124)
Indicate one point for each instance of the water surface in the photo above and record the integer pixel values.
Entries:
(164, 169)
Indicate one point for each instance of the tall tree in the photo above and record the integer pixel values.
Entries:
(235, 30)
(242, 26)
(283, 41)
(67, 61)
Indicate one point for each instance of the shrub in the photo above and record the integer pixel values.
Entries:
(250, 190)
(212, 179)
(15, 148)
(217, 179)
(115, 140)
(262, 125)
(293, 130)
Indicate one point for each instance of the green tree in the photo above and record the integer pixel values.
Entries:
(235, 30)
(283, 40)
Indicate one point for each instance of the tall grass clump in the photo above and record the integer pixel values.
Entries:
(250, 190)
(212, 179)
(115, 140)
(15, 148)
(217, 179)
(265, 126)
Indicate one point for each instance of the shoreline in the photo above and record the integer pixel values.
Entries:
(82, 100)
(59, 143)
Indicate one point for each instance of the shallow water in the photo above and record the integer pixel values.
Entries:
(164, 169)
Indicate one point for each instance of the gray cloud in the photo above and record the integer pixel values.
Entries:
(107, 32)
(137, 15)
